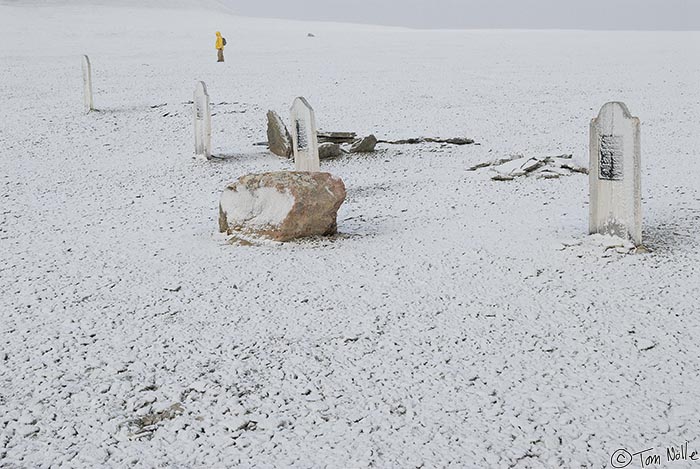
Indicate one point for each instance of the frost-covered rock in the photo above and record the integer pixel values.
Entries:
(329, 150)
(336, 137)
(546, 167)
(282, 205)
(366, 145)
(278, 137)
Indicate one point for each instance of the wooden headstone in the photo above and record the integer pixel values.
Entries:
(615, 174)
(87, 85)
(304, 136)
(202, 121)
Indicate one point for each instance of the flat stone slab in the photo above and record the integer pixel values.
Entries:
(279, 140)
(541, 167)
(336, 137)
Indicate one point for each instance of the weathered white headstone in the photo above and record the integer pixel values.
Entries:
(615, 174)
(202, 121)
(304, 136)
(87, 85)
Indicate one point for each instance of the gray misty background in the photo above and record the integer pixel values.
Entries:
(506, 14)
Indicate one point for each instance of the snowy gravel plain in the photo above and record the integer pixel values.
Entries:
(455, 321)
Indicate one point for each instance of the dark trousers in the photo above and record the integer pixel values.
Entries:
(221, 55)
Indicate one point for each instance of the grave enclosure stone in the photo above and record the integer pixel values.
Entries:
(87, 85)
(615, 174)
(304, 136)
(202, 121)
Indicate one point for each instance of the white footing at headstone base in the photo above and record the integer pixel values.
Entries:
(87, 85)
(615, 174)
(304, 136)
(202, 121)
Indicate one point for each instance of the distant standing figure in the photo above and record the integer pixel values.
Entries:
(220, 44)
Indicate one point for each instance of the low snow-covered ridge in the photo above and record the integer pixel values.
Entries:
(454, 319)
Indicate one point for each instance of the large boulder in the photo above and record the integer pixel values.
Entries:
(278, 138)
(282, 205)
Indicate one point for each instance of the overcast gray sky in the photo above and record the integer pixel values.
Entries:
(562, 14)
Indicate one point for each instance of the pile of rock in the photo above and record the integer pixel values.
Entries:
(547, 167)
(331, 144)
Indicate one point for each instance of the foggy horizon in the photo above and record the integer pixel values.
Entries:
(646, 15)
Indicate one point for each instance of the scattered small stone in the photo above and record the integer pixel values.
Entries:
(366, 145)
(547, 167)
(574, 168)
(415, 141)
(600, 245)
(248, 426)
(532, 164)
(407, 141)
(479, 166)
(501, 177)
(496, 162)
(148, 423)
(398, 410)
(29, 430)
(548, 175)
(451, 141)
(644, 345)
(329, 150)
(239, 241)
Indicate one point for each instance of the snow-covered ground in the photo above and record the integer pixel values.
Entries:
(454, 320)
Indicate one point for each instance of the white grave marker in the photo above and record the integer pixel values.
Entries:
(202, 121)
(615, 174)
(304, 137)
(87, 85)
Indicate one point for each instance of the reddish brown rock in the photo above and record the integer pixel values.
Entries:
(282, 205)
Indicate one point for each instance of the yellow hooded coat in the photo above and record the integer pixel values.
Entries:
(219, 41)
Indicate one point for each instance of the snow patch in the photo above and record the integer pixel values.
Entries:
(603, 245)
(265, 207)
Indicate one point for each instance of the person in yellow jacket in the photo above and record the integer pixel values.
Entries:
(220, 44)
